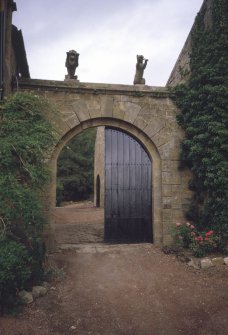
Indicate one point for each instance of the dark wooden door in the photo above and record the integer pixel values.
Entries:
(128, 210)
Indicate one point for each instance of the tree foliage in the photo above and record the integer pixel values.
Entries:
(15, 270)
(203, 103)
(75, 168)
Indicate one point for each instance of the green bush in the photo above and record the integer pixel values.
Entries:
(15, 270)
(26, 137)
(200, 242)
(25, 140)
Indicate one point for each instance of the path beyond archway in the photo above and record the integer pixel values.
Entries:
(126, 290)
(79, 223)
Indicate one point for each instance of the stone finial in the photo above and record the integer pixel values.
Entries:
(140, 67)
(71, 64)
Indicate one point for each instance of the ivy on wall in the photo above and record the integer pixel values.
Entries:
(203, 102)
(25, 139)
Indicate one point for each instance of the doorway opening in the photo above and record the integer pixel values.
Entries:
(77, 218)
(104, 189)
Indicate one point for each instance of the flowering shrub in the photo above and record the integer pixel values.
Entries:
(201, 243)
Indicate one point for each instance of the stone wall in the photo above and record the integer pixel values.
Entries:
(13, 60)
(7, 62)
(99, 165)
(181, 71)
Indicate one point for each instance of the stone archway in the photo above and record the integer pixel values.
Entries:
(147, 113)
(142, 138)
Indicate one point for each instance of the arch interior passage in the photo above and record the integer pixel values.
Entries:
(128, 198)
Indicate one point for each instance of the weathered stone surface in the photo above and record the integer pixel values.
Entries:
(39, 291)
(118, 109)
(226, 260)
(131, 112)
(99, 167)
(191, 263)
(217, 261)
(140, 122)
(167, 202)
(181, 71)
(206, 263)
(46, 284)
(176, 196)
(107, 106)
(171, 148)
(126, 110)
(166, 165)
(155, 125)
(178, 215)
(161, 137)
(81, 110)
(166, 190)
(73, 328)
(93, 105)
(26, 297)
(166, 178)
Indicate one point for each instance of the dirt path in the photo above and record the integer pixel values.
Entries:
(79, 223)
(126, 290)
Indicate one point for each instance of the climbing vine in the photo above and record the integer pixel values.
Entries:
(25, 139)
(203, 103)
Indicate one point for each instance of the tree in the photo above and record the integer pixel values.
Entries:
(75, 168)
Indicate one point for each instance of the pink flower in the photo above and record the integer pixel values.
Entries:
(192, 227)
(178, 224)
(209, 233)
(192, 233)
(199, 238)
(206, 239)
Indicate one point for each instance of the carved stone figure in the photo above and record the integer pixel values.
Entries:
(71, 64)
(140, 67)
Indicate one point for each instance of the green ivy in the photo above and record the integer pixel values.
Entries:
(203, 103)
(25, 140)
(15, 270)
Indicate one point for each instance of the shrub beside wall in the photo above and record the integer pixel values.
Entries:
(25, 139)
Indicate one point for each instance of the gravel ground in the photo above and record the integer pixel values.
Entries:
(125, 289)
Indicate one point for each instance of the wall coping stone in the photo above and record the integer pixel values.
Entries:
(95, 88)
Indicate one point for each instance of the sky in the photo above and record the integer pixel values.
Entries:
(108, 34)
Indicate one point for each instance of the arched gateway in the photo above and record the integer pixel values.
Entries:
(146, 113)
